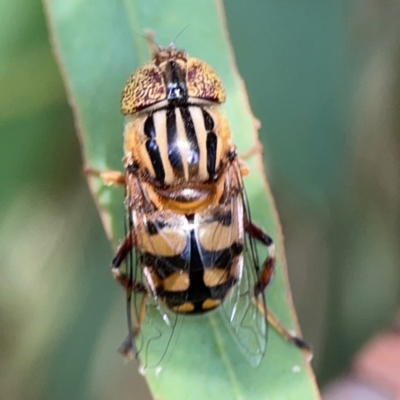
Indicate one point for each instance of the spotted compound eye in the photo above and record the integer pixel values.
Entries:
(143, 88)
(153, 82)
(203, 82)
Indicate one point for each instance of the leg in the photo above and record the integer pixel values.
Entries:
(128, 348)
(264, 279)
(281, 330)
(269, 263)
(256, 149)
(243, 168)
(107, 176)
(123, 250)
(124, 280)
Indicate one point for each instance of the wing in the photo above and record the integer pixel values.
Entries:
(157, 336)
(155, 328)
(246, 321)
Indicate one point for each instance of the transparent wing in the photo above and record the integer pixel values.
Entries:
(157, 336)
(155, 328)
(246, 321)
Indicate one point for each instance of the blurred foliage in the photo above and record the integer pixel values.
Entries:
(323, 78)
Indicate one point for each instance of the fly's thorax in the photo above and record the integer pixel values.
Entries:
(181, 151)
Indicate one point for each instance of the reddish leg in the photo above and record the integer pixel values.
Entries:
(265, 277)
(128, 348)
(268, 267)
(122, 252)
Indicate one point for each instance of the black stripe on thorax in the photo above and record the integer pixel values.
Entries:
(190, 130)
(174, 154)
(153, 149)
(211, 143)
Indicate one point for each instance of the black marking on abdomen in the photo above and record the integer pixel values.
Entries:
(198, 292)
(211, 153)
(174, 154)
(218, 292)
(225, 257)
(225, 218)
(154, 227)
(164, 266)
(194, 151)
(221, 258)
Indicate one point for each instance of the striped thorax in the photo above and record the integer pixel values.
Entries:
(179, 140)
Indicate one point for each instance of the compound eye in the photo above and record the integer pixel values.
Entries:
(203, 82)
(143, 88)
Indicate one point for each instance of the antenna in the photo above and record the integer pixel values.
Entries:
(177, 36)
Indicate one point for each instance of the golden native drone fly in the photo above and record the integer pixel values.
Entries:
(188, 218)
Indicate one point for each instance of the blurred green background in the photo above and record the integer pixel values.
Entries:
(324, 80)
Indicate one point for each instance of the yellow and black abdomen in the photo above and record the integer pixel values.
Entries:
(190, 263)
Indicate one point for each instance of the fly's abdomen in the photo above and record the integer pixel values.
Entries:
(191, 264)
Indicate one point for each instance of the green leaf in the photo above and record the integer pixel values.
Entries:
(98, 44)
